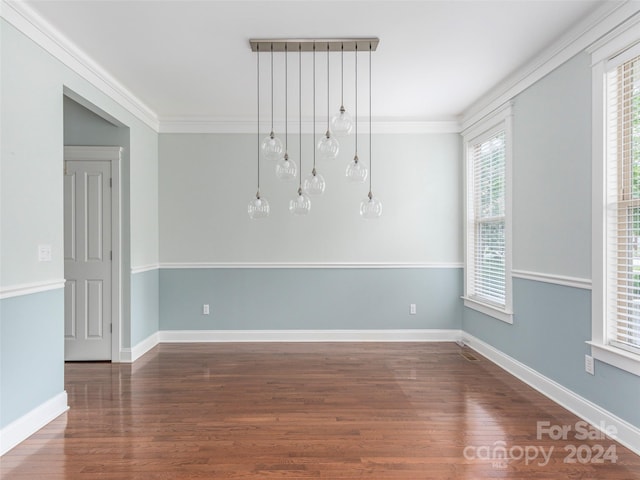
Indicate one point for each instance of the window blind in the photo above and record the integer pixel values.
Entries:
(487, 282)
(623, 205)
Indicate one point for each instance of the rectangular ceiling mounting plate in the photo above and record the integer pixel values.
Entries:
(307, 44)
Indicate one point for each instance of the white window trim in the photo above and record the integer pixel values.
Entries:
(603, 52)
(500, 119)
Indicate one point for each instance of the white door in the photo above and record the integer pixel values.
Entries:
(87, 260)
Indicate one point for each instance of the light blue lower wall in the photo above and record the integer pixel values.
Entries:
(549, 331)
(31, 352)
(145, 315)
(310, 298)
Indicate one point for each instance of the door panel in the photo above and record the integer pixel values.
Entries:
(87, 260)
(70, 216)
(94, 220)
(94, 305)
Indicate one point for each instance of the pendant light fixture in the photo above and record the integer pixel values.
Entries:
(328, 145)
(301, 203)
(341, 123)
(272, 145)
(286, 168)
(314, 184)
(258, 207)
(370, 207)
(324, 146)
(356, 171)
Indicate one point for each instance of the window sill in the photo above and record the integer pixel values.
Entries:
(491, 310)
(617, 357)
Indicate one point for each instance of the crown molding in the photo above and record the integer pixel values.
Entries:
(194, 124)
(582, 36)
(35, 27)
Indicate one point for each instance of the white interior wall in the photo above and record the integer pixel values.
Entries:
(206, 181)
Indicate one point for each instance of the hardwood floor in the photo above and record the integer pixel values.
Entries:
(295, 411)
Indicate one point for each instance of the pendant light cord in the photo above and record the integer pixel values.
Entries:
(272, 87)
(286, 101)
(370, 152)
(356, 109)
(342, 75)
(313, 137)
(328, 89)
(300, 114)
(258, 130)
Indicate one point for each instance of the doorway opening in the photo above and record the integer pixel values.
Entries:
(96, 242)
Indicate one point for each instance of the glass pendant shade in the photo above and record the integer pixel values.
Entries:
(314, 184)
(328, 147)
(271, 147)
(341, 123)
(371, 207)
(301, 204)
(286, 169)
(258, 207)
(356, 171)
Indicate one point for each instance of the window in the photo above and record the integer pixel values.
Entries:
(487, 259)
(616, 206)
(623, 205)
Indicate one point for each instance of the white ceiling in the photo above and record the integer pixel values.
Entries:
(192, 58)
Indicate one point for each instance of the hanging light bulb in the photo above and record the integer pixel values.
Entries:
(328, 145)
(301, 203)
(285, 168)
(341, 123)
(314, 184)
(370, 207)
(271, 145)
(258, 207)
(356, 171)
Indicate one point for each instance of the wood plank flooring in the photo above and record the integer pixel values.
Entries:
(297, 411)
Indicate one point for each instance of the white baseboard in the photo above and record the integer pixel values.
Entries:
(627, 434)
(25, 426)
(422, 335)
(130, 355)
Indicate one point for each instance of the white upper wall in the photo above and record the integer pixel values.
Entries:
(552, 173)
(32, 83)
(206, 181)
(145, 250)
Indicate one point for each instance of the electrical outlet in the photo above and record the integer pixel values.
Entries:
(205, 309)
(588, 364)
(412, 309)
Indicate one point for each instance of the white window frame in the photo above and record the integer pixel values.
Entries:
(500, 120)
(619, 46)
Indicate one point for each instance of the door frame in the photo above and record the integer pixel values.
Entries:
(113, 155)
